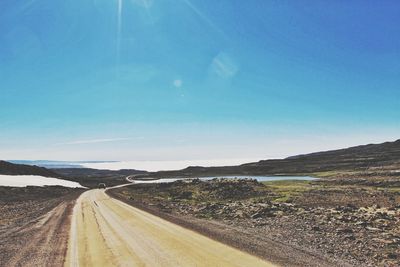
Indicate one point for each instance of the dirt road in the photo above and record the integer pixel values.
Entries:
(108, 232)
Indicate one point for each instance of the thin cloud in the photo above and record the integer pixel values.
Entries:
(95, 141)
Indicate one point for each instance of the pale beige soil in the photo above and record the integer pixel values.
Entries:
(108, 232)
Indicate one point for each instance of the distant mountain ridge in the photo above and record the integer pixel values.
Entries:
(369, 159)
(386, 148)
(384, 157)
(9, 168)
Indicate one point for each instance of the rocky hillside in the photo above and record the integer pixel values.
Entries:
(372, 159)
(346, 223)
(8, 168)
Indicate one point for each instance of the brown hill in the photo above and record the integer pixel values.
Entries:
(372, 159)
(8, 168)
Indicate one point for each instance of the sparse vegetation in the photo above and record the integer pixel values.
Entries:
(346, 221)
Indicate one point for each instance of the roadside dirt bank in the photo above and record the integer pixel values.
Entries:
(247, 239)
(35, 224)
(326, 223)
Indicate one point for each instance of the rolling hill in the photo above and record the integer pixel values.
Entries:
(8, 168)
(370, 160)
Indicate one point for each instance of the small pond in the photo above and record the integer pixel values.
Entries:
(258, 178)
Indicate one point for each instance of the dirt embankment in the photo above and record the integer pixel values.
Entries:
(35, 224)
(289, 223)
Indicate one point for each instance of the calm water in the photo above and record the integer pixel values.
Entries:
(258, 178)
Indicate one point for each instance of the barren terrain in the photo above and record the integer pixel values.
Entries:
(35, 224)
(292, 223)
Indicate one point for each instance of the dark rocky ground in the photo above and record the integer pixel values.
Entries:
(35, 224)
(345, 221)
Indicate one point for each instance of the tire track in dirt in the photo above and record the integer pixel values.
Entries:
(47, 242)
(108, 232)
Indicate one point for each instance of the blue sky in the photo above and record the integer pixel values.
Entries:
(187, 79)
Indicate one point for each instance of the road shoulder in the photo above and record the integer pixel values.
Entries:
(263, 247)
(35, 226)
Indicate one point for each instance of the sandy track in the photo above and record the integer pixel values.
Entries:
(108, 232)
